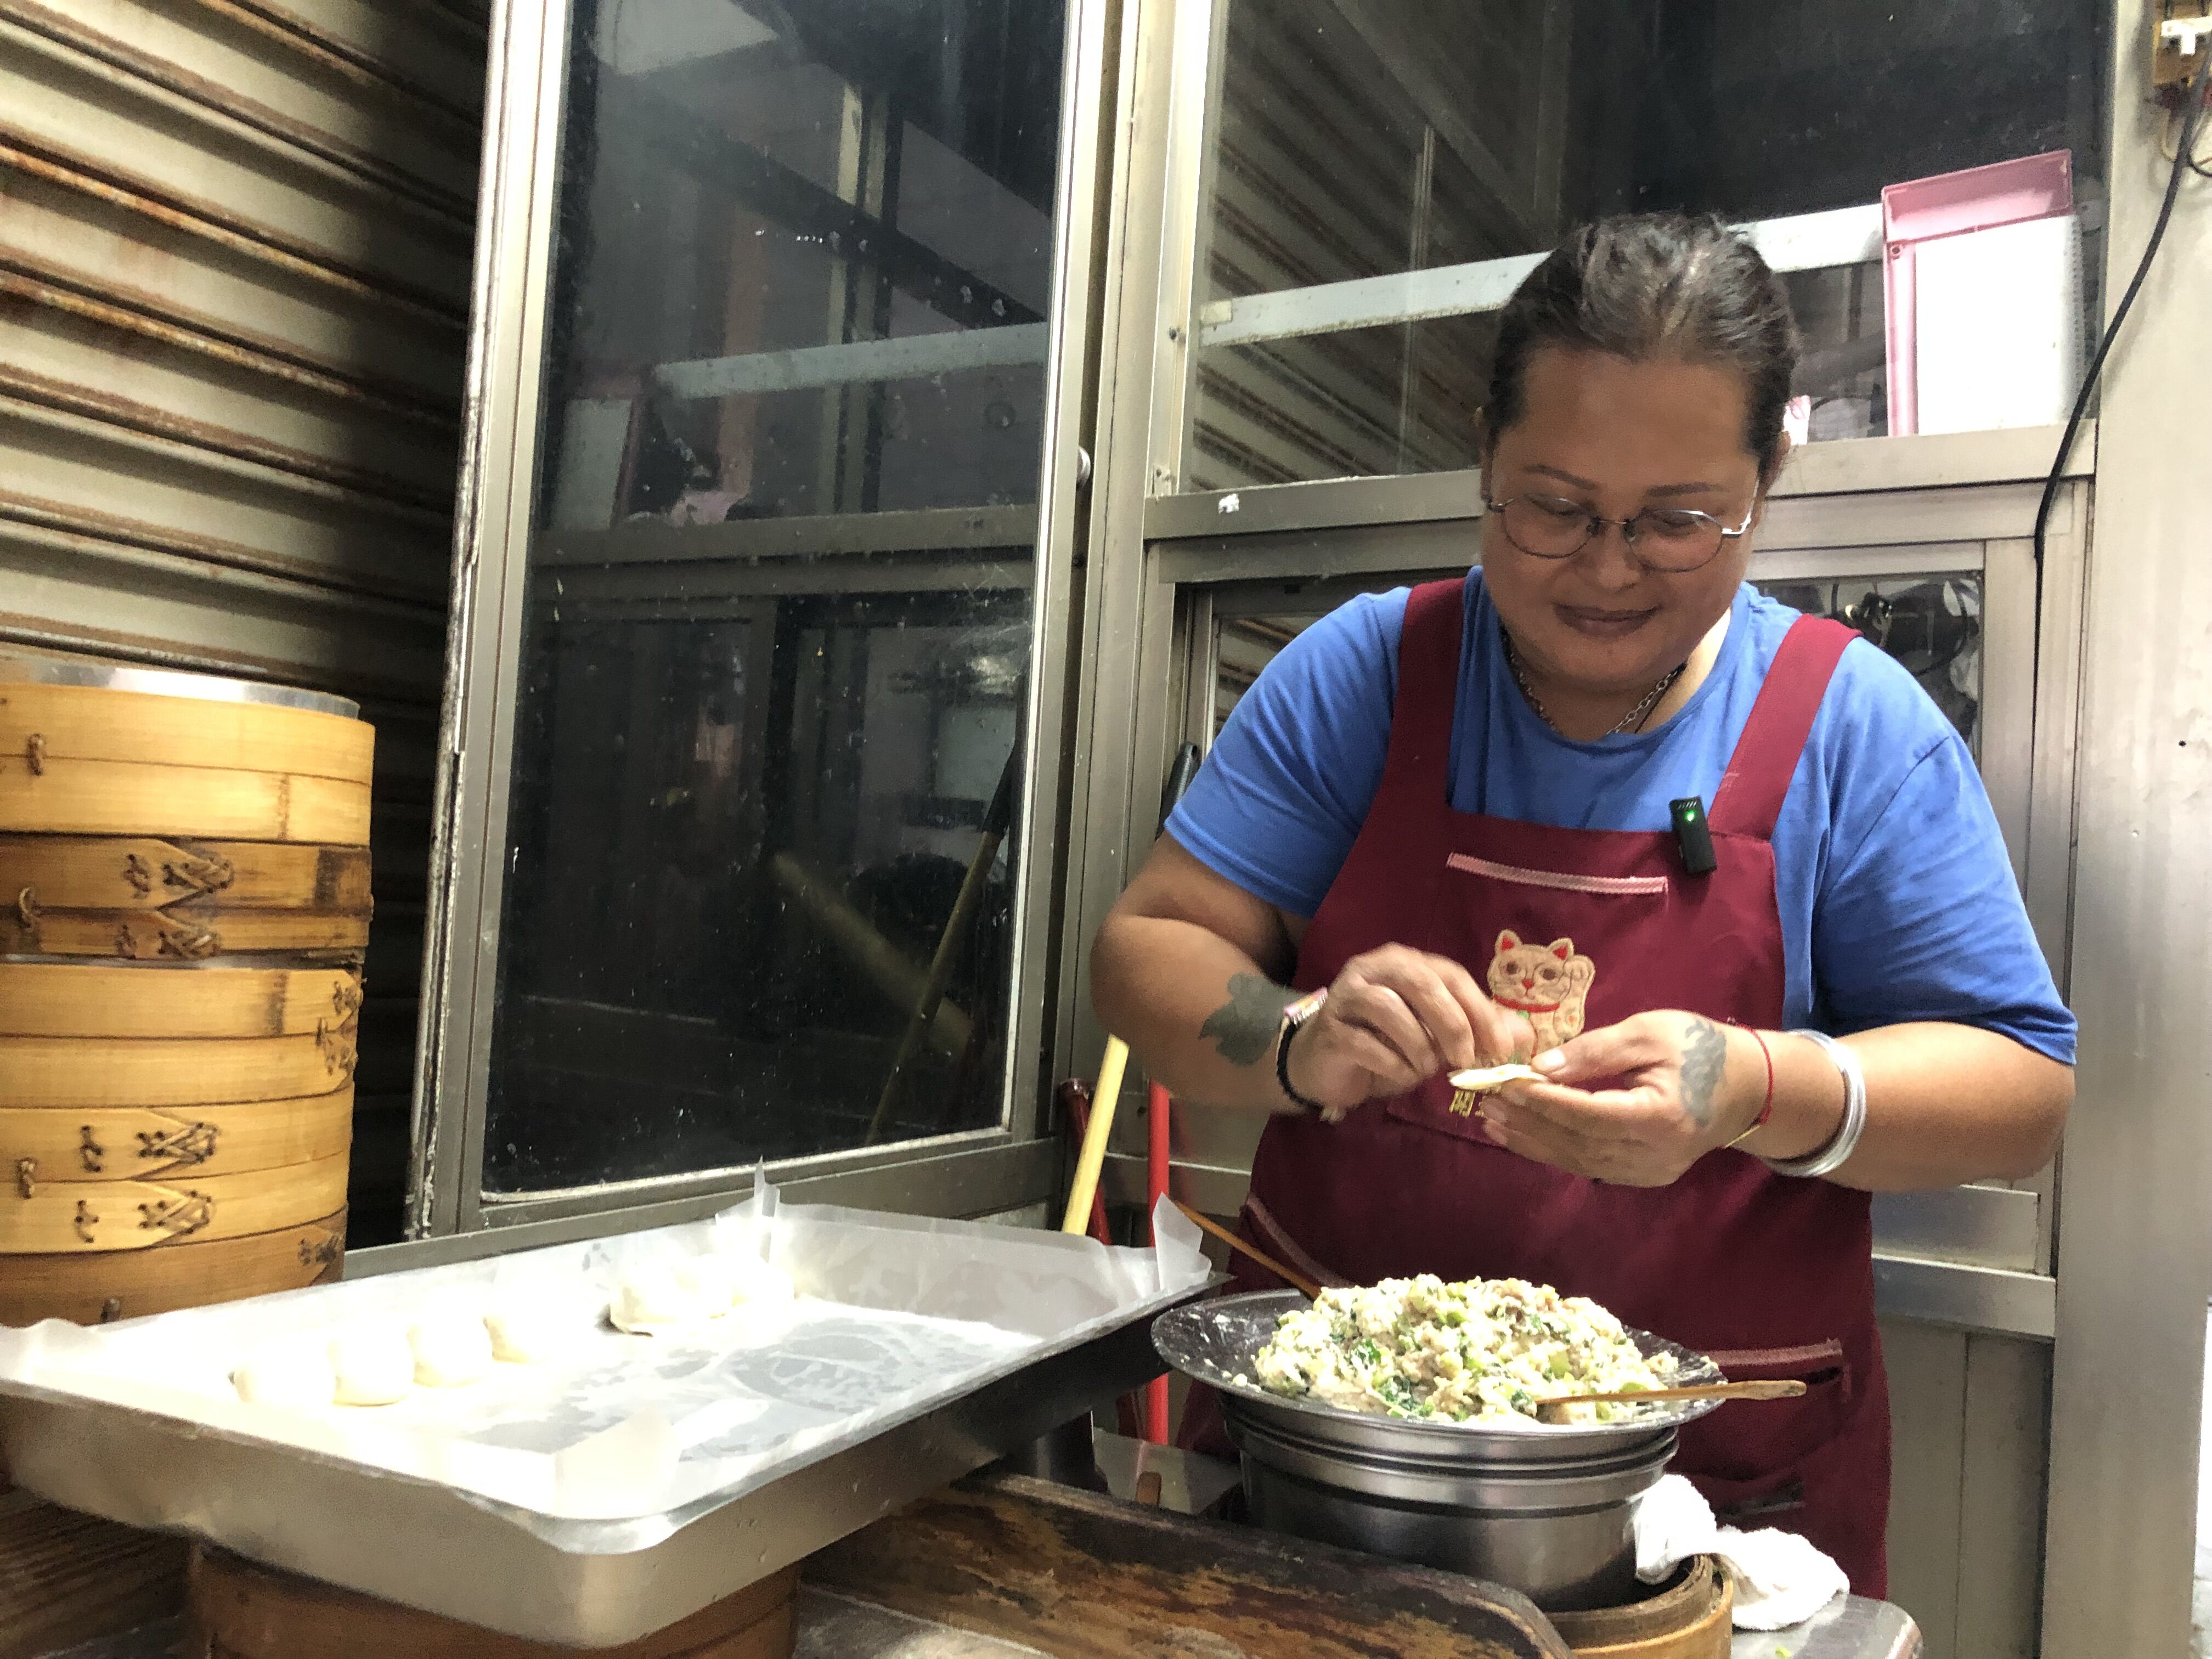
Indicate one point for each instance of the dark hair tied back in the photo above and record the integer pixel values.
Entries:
(1648, 285)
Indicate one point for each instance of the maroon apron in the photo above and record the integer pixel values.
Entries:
(1581, 928)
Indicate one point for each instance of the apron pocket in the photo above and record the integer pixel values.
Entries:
(1755, 1442)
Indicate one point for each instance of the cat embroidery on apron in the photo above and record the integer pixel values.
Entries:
(1548, 983)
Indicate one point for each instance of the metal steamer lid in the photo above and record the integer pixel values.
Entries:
(34, 668)
(1215, 1343)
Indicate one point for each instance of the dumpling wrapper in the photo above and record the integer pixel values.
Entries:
(529, 1329)
(657, 1296)
(1484, 1078)
(374, 1363)
(298, 1375)
(661, 1296)
(451, 1347)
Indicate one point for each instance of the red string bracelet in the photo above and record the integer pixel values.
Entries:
(1766, 1107)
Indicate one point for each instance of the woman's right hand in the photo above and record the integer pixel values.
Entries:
(1394, 1017)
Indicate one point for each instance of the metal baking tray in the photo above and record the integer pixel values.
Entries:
(429, 1544)
(1216, 1342)
(593, 1583)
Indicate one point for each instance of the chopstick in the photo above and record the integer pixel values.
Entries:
(1296, 1281)
(1774, 1390)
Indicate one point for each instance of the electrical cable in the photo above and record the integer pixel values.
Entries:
(2169, 150)
(2183, 162)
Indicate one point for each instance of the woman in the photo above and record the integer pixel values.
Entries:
(1442, 831)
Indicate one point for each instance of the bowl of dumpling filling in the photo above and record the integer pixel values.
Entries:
(1406, 1418)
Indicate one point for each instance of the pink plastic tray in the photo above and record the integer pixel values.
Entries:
(1952, 204)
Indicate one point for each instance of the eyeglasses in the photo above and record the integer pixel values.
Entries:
(1671, 538)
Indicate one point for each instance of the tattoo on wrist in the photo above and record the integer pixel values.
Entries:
(1243, 1028)
(1704, 1058)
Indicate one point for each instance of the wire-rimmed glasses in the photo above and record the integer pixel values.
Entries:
(1671, 538)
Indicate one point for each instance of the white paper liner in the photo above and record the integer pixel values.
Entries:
(896, 1314)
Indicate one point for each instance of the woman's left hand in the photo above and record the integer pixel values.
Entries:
(1681, 1085)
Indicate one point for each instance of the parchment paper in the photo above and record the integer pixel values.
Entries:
(896, 1316)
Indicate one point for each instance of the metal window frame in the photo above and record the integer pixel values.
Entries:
(980, 1172)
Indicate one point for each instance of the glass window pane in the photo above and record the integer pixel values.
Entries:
(779, 620)
(1362, 138)
(1932, 624)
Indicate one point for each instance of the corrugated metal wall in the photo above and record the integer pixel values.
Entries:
(234, 243)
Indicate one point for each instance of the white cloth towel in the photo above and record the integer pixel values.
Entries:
(1780, 1579)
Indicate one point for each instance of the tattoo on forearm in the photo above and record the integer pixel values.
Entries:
(1243, 1028)
(1705, 1057)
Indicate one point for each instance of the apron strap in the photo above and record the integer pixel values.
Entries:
(1428, 684)
(1759, 773)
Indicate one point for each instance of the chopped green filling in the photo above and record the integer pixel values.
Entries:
(1463, 1351)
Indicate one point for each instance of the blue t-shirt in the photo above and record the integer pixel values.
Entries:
(1897, 901)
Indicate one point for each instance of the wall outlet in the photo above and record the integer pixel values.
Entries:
(2181, 35)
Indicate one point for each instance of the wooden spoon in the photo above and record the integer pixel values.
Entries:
(1775, 1390)
(1296, 1281)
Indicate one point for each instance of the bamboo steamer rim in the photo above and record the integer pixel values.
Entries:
(42, 1147)
(83, 796)
(73, 1073)
(276, 961)
(94, 997)
(95, 1288)
(172, 873)
(102, 1218)
(1691, 1616)
(20, 668)
(183, 932)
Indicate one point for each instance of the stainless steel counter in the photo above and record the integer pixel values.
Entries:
(1853, 1628)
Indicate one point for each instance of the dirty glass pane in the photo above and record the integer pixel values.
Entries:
(1362, 138)
(778, 625)
(1932, 624)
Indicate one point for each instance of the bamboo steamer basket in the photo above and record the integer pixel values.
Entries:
(1690, 1618)
(239, 1610)
(184, 905)
(91, 750)
(93, 1288)
(76, 1072)
(74, 999)
(145, 898)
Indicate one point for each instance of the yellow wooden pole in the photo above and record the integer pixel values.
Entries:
(1092, 1158)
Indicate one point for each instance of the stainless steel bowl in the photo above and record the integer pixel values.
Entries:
(1542, 1508)
(1559, 1531)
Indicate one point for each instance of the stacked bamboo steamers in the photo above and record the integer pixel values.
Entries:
(184, 905)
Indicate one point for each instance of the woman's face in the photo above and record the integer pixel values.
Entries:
(1616, 437)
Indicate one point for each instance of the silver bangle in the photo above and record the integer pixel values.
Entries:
(1846, 1141)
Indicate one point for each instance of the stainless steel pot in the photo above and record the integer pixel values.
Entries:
(1543, 1509)
(1557, 1530)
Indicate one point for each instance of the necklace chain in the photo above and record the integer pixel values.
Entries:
(1632, 721)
